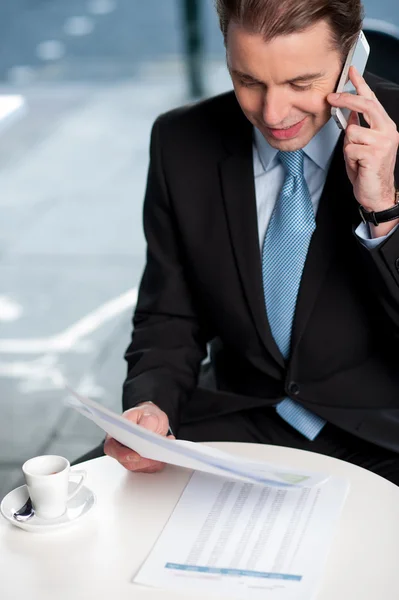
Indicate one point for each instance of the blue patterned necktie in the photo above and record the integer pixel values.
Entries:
(283, 257)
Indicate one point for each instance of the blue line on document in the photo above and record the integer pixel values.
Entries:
(232, 572)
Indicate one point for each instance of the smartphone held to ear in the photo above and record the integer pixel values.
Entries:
(357, 57)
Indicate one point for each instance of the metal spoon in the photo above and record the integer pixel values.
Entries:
(25, 512)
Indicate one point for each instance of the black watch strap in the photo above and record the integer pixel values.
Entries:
(383, 216)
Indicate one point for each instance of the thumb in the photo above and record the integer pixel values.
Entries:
(150, 417)
(154, 419)
(149, 421)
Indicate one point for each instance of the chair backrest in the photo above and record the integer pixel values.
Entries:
(383, 38)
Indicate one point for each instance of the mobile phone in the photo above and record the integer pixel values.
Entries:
(357, 57)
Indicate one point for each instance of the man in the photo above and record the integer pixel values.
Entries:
(256, 249)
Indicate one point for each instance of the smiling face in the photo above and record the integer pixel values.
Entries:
(284, 82)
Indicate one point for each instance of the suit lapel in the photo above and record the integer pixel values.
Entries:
(238, 192)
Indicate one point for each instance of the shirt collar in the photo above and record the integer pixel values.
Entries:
(320, 148)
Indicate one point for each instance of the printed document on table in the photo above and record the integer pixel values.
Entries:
(240, 540)
(187, 454)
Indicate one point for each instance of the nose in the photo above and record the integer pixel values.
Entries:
(276, 108)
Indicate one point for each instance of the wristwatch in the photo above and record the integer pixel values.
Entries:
(384, 215)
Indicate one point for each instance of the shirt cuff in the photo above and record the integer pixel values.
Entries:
(363, 234)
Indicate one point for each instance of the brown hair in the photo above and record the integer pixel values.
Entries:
(273, 18)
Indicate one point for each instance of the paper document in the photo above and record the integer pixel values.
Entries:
(241, 540)
(188, 454)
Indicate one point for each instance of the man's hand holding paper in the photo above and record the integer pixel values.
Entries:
(159, 448)
(150, 417)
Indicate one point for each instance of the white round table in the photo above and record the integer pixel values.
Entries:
(97, 558)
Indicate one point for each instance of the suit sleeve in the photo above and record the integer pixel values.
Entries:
(382, 269)
(382, 261)
(169, 337)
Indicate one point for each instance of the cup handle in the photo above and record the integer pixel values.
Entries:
(82, 475)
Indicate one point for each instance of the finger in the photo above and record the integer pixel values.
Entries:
(370, 108)
(353, 120)
(143, 465)
(155, 468)
(125, 455)
(120, 452)
(361, 135)
(358, 156)
(362, 88)
(130, 459)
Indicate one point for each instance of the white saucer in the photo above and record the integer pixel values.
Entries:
(77, 508)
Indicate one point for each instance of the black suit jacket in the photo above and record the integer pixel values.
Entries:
(203, 283)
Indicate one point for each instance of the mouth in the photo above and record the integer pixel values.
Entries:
(288, 133)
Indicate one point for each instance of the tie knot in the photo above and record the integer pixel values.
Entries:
(292, 162)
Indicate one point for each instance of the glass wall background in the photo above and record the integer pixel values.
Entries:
(81, 82)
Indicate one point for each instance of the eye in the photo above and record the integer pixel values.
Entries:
(301, 88)
(248, 84)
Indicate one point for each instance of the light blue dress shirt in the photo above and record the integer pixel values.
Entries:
(269, 177)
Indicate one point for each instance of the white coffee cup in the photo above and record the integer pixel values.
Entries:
(47, 478)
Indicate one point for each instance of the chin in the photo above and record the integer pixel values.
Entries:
(296, 143)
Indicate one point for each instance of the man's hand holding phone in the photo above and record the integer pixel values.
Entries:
(151, 417)
(370, 154)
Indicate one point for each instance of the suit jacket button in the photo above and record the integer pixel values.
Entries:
(293, 389)
(397, 264)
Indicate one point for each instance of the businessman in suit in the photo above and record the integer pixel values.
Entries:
(273, 242)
